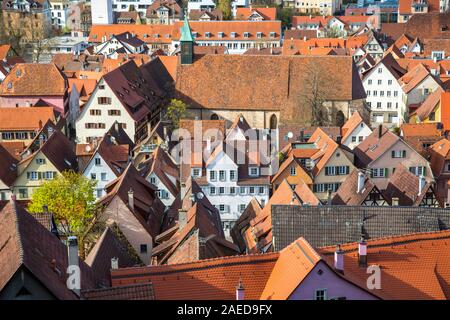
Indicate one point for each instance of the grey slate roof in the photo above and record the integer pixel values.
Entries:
(331, 225)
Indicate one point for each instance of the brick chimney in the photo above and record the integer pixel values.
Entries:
(131, 199)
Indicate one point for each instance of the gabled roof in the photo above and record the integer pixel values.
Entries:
(391, 64)
(132, 90)
(413, 77)
(430, 103)
(327, 147)
(404, 185)
(8, 167)
(348, 194)
(243, 222)
(31, 79)
(439, 153)
(203, 280)
(112, 244)
(352, 123)
(24, 242)
(246, 13)
(413, 266)
(287, 163)
(137, 291)
(148, 209)
(26, 119)
(374, 146)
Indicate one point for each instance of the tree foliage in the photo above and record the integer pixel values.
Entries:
(70, 198)
(176, 110)
(225, 7)
(285, 16)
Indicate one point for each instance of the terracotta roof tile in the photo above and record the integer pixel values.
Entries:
(31, 79)
(266, 13)
(142, 291)
(26, 119)
(8, 167)
(154, 33)
(352, 123)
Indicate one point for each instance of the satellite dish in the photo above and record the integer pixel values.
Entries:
(290, 135)
(88, 148)
(113, 139)
(200, 195)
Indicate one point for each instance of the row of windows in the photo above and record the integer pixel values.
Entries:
(246, 35)
(336, 170)
(242, 46)
(324, 187)
(37, 175)
(360, 138)
(100, 125)
(379, 82)
(214, 191)
(384, 172)
(97, 112)
(103, 176)
(18, 135)
(380, 105)
(375, 93)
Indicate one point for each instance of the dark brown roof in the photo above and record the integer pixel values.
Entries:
(8, 167)
(60, 151)
(214, 81)
(112, 244)
(148, 209)
(133, 90)
(348, 194)
(139, 291)
(25, 242)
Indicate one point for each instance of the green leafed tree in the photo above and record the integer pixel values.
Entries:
(176, 110)
(225, 7)
(70, 198)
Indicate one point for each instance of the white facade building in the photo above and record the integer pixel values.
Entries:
(100, 113)
(127, 5)
(384, 94)
(201, 5)
(102, 12)
(100, 171)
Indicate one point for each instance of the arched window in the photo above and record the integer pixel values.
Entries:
(273, 122)
(214, 117)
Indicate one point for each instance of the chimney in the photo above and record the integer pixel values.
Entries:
(116, 126)
(361, 179)
(302, 135)
(114, 263)
(329, 197)
(72, 252)
(422, 183)
(240, 291)
(380, 131)
(41, 140)
(339, 259)
(394, 201)
(182, 190)
(165, 133)
(131, 199)
(362, 253)
(182, 218)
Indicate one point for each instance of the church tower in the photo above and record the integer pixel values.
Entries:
(187, 43)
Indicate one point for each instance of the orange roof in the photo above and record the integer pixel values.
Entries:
(204, 279)
(327, 145)
(26, 118)
(351, 124)
(31, 79)
(170, 63)
(267, 13)
(227, 27)
(414, 266)
(85, 87)
(4, 49)
(445, 110)
(149, 33)
(420, 130)
(413, 77)
(430, 103)
(294, 264)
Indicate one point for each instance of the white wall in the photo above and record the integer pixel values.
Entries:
(102, 12)
(361, 130)
(398, 107)
(86, 117)
(157, 183)
(201, 4)
(92, 168)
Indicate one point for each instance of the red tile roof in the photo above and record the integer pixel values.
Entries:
(266, 13)
(203, 280)
(413, 267)
(26, 118)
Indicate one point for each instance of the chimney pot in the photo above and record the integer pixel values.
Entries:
(380, 131)
(422, 183)
(361, 179)
(131, 199)
(339, 259)
(114, 263)
(240, 291)
(362, 253)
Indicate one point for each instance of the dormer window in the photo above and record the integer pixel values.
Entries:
(9, 85)
(233, 34)
(259, 35)
(246, 34)
(196, 172)
(253, 171)
(195, 34)
(207, 34)
(220, 34)
(272, 34)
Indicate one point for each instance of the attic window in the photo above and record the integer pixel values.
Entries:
(9, 85)
(220, 34)
(18, 73)
(272, 34)
(373, 147)
(207, 34)
(246, 34)
(259, 35)
(156, 35)
(233, 34)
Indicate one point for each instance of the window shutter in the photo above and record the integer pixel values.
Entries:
(386, 172)
(393, 154)
(28, 175)
(371, 173)
(404, 153)
(39, 175)
(347, 169)
(424, 171)
(326, 171)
